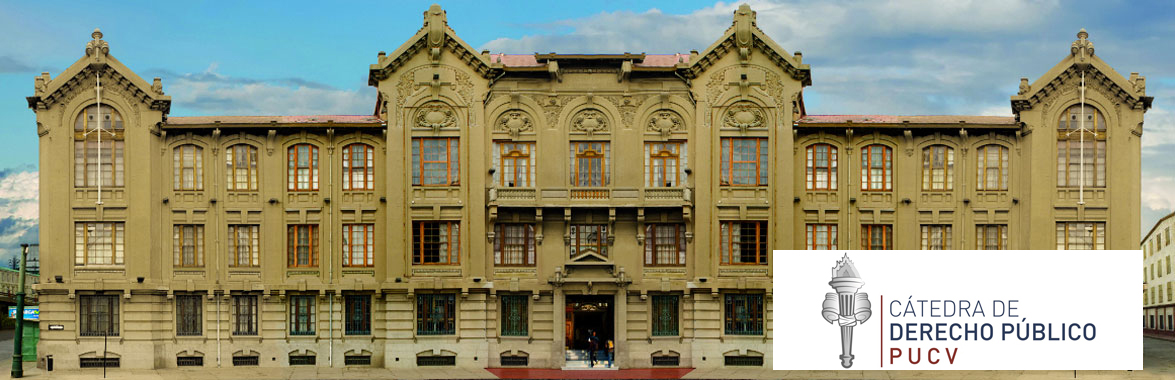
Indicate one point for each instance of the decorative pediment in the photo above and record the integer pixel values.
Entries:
(515, 122)
(744, 37)
(83, 75)
(435, 116)
(1065, 77)
(590, 121)
(434, 37)
(744, 116)
(590, 257)
(665, 122)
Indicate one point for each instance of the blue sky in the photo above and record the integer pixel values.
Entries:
(304, 57)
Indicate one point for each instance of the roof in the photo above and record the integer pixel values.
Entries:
(532, 60)
(907, 120)
(303, 120)
(1154, 228)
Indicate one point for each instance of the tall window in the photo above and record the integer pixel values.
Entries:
(992, 171)
(188, 243)
(936, 236)
(665, 164)
(665, 315)
(514, 315)
(302, 245)
(98, 315)
(991, 236)
(876, 236)
(589, 163)
(938, 167)
(744, 314)
(302, 315)
(358, 167)
(435, 314)
(240, 163)
(98, 243)
(188, 167)
(744, 161)
(303, 168)
(358, 314)
(358, 245)
(1070, 134)
(188, 315)
(1081, 235)
(744, 242)
(822, 236)
(514, 162)
(665, 244)
(877, 168)
(244, 247)
(589, 238)
(514, 244)
(436, 243)
(244, 315)
(436, 161)
(95, 162)
(821, 168)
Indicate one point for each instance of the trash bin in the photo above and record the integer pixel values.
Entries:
(32, 333)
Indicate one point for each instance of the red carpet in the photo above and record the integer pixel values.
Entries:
(542, 373)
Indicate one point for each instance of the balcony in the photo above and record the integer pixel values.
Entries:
(577, 196)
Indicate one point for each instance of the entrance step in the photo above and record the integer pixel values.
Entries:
(582, 365)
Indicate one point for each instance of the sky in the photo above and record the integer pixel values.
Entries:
(899, 57)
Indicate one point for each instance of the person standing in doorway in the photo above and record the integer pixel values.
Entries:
(610, 348)
(593, 345)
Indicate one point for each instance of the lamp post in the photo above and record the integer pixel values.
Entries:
(18, 338)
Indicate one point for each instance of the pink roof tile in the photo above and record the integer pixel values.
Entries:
(912, 119)
(529, 60)
(301, 119)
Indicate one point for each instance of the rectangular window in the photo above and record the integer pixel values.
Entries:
(589, 239)
(240, 168)
(589, 163)
(1081, 235)
(188, 315)
(358, 167)
(1167, 234)
(665, 164)
(665, 315)
(302, 315)
(991, 236)
(436, 161)
(188, 167)
(876, 168)
(244, 315)
(359, 245)
(436, 243)
(514, 162)
(514, 244)
(435, 314)
(744, 314)
(744, 161)
(302, 245)
(744, 242)
(358, 314)
(302, 168)
(98, 315)
(98, 243)
(822, 236)
(1168, 292)
(242, 361)
(938, 166)
(244, 246)
(188, 245)
(303, 359)
(992, 168)
(665, 244)
(936, 236)
(821, 167)
(514, 315)
(876, 236)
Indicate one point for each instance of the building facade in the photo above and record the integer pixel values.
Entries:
(1158, 308)
(496, 208)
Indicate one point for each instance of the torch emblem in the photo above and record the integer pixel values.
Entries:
(848, 306)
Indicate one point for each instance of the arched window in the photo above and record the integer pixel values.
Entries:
(821, 167)
(876, 168)
(358, 167)
(938, 168)
(241, 167)
(1081, 147)
(992, 168)
(98, 147)
(188, 167)
(303, 168)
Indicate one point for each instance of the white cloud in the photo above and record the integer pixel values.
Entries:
(18, 195)
(1158, 192)
(214, 94)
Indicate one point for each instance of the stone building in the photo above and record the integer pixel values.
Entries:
(494, 208)
(1158, 309)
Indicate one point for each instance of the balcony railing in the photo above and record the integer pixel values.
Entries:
(562, 196)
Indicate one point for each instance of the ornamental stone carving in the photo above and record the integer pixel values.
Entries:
(514, 121)
(590, 121)
(665, 122)
(744, 117)
(1082, 48)
(436, 116)
(97, 46)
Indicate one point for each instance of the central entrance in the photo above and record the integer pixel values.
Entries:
(585, 314)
